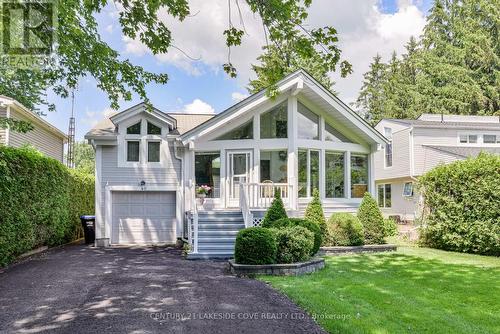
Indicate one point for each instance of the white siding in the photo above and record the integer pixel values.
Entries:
(400, 157)
(43, 140)
(111, 174)
(405, 207)
(427, 158)
(3, 113)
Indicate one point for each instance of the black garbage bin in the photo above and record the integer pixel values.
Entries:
(88, 224)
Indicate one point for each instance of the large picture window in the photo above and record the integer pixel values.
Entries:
(332, 134)
(359, 175)
(207, 172)
(274, 123)
(244, 131)
(274, 166)
(334, 175)
(308, 123)
(308, 165)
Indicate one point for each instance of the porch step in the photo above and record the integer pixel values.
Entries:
(216, 247)
(216, 240)
(210, 256)
(220, 226)
(218, 219)
(217, 233)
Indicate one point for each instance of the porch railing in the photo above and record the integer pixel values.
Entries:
(193, 222)
(261, 195)
(245, 207)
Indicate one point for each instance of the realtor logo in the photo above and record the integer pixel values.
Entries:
(28, 30)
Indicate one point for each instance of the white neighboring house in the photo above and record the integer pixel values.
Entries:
(149, 165)
(416, 146)
(44, 137)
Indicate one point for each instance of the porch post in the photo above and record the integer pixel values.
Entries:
(293, 173)
(347, 176)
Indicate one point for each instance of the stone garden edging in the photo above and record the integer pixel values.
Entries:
(288, 269)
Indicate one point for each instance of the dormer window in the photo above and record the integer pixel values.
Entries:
(153, 129)
(134, 129)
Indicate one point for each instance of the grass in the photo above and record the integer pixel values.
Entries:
(413, 290)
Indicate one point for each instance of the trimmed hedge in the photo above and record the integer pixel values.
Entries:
(344, 229)
(294, 243)
(275, 211)
(314, 212)
(462, 206)
(371, 218)
(40, 202)
(255, 245)
(313, 227)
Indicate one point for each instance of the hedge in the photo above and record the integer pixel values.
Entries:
(314, 212)
(313, 227)
(40, 202)
(462, 206)
(255, 245)
(294, 243)
(276, 210)
(371, 218)
(344, 229)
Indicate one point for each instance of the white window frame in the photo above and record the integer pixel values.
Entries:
(126, 150)
(412, 190)
(480, 138)
(388, 135)
(147, 151)
(384, 204)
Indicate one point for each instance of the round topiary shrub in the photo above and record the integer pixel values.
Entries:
(344, 229)
(294, 244)
(255, 245)
(371, 218)
(314, 228)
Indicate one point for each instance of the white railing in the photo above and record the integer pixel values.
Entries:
(261, 195)
(245, 208)
(193, 227)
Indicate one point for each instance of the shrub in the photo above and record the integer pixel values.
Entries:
(371, 218)
(344, 229)
(255, 245)
(314, 212)
(276, 210)
(461, 208)
(294, 244)
(313, 227)
(390, 227)
(40, 202)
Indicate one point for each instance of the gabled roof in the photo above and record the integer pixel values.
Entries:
(143, 107)
(465, 151)
(32, 116)
(468, 122)
(294, 81)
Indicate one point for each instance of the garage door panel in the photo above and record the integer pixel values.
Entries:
(144, 217)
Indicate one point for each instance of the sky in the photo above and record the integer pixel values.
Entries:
(365, 28)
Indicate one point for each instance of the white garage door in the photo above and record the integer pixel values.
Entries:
(143, 217)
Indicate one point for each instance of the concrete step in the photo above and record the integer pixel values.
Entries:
(221, 226)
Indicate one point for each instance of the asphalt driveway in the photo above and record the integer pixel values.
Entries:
(80, 289)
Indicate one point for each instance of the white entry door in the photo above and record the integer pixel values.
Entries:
(239, 165)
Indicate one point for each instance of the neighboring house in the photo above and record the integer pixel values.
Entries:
(416, 146)
(44, 137)
(149, 165)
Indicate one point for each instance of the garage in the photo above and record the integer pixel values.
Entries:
(143, 217)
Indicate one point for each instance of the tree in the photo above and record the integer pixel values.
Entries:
(84, 157)
(275, 212)
(314, 213)
(371, 97)
(80, 51)
(371, 218)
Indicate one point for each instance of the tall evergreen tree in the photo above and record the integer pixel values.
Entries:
(371, 97)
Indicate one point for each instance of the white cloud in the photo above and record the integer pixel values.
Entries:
(93, 117)
(198, 107)
(109, 28)
(363, 31)
(237, 96)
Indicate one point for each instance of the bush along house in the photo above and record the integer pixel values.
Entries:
(162, 177)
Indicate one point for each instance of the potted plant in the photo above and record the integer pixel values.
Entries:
(202, 192)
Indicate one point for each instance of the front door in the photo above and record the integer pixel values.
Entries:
(238, 172)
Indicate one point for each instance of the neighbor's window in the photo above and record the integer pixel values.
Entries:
(133, 151)
(308, 123)
(207, 172)
(153, 129)
(388, 147)
(134, 129)
(408, 189)
(359, 175)
(244, 131)
(274, 166)
(153, 151)
(491, 139)
(384, 195)
(468, 139)
(274, 123)
(334, 175)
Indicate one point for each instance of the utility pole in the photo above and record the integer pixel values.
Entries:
(70, 158)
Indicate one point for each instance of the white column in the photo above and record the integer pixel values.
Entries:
(223, 177)
(371, 173)
(347, 177)
(293, 173)
(322, 174)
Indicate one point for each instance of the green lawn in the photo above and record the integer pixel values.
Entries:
(413, 290)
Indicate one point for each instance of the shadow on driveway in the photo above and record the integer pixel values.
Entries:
(81, 289)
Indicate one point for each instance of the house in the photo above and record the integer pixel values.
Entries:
(44, 137)
(150, 164)
(416, 146)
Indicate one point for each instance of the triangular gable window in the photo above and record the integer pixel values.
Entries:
(244, 131)
(134, 129)
(332, 134)
(153, 129)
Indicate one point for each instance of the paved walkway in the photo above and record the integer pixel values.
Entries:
(80, 289)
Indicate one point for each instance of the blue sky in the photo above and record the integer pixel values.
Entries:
(365, 28)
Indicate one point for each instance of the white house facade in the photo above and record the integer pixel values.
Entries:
(417, 146)
(149, 166)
